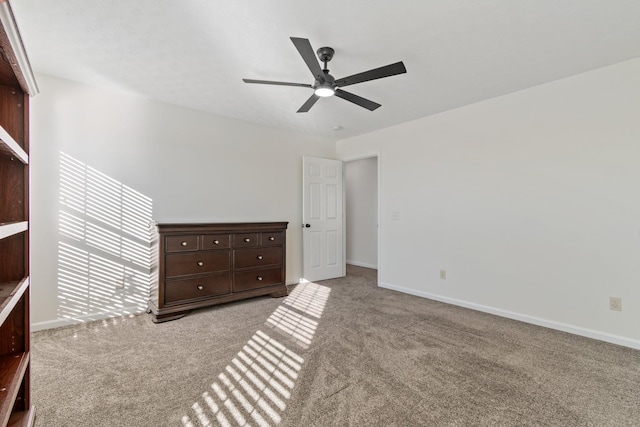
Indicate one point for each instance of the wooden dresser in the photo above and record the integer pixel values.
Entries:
(198, 265)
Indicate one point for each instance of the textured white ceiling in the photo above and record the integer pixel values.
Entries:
(194, 53)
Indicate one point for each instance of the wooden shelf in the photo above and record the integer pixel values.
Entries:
(8, 229)
(9, 146)
(10, 294)
(12, 369)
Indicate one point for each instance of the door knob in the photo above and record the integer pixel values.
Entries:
(307, 225)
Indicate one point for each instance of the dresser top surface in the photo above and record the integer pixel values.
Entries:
(218, 227)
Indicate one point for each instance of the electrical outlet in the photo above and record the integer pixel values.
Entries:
(395, 216)
(119, 284)
(615, 303)
(443, 274)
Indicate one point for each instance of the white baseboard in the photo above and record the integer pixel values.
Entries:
(57, 323)
(362, 264)
(576, 330)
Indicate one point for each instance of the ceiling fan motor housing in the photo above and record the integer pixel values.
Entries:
(328, 83)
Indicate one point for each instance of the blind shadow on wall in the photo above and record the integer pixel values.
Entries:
(104, 244)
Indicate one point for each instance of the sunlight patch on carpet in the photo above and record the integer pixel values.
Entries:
(254, 387)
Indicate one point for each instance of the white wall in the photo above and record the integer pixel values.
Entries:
(195, 167)
(361, 184)
(530, 201)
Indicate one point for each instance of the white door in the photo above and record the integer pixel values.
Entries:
(322, 240)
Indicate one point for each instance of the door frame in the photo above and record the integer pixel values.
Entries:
(377, 155)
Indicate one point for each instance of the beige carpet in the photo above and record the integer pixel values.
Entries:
(335, 353)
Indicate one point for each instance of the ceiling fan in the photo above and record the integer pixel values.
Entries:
(325, 84)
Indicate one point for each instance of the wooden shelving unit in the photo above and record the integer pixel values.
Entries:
(16, 84)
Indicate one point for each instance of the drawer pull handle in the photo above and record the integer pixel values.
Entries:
(216, 242)
(247, 240)
(200, 263)
(272, 238)
(200, 287)
(259, 256)
(183, 243)
(259, 277)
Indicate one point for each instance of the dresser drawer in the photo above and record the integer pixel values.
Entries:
(187, 242)
(246, 280)
(268, 239)
(244, 258)
(215, 241)
(208, 286)
(196, 263)
(245, 240)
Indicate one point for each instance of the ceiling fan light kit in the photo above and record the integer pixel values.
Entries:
(325, 84)
(324, 90)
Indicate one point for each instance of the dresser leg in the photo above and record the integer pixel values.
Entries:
(280, 293)
(159, 318)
